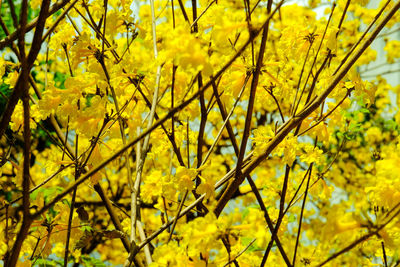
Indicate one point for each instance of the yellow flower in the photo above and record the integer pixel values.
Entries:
(332, 41)
(288, 148)
(200, 235)
(392, 49)
(186, 51)
(343, 225)
(262, 136)
(11, 79)
(361, 87)
(373, 135)
(17, 118)
(206, 188)
(312, 154)
(151, 186)
(185, 177)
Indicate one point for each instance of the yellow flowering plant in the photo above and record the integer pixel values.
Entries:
(199, 133)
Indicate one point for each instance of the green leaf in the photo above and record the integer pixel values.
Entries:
(245, 213)
(59, 79)
(355, 127)
(48, 193)
(44, 263)
(246, 241)
(92, 262)
(292, 218)
(86, 228)
(365, 110)
(6, 91)
(390, 125)
(348, 136)
(51, 191)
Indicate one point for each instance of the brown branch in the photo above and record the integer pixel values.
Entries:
(181, 5)
(343, 16)
(197, 18)
(113, 215)
(173, 14)
(384, 254)
(270, 91)
(249, 113)
(280, 216)
(181, 203)
(203, 121)
(301, 214)
(24, 91)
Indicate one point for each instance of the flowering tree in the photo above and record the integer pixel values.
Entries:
(198, 133)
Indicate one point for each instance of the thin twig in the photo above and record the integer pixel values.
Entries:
(280, 215)
(72, 207)
(181, 203)
(226, 123)
(384, 254)
(201, 14)
(313, 64)
(181, 5)
(241, 252)
(301, 215)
